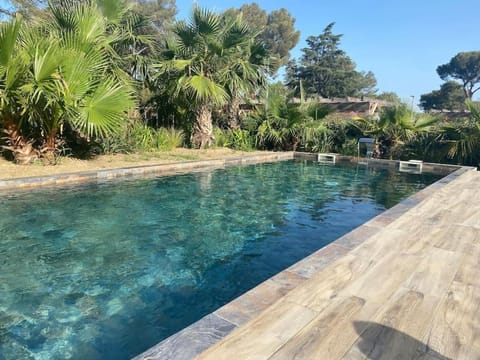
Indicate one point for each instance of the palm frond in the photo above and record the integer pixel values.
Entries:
(186, 37)
(80, 73)
(236, 33)
(204, 89)
(8, 38)
(104, 110)
(205, 22)
(474, 111)
(46, 62)
(113, 10)
(425, 122)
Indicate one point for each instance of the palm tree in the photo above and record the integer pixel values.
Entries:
(13, 67)
(464, 137)
(285, 126)
(245, 73)
(396, 127)
(207, 64)
(62, 73)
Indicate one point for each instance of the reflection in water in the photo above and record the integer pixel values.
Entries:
(205, 181)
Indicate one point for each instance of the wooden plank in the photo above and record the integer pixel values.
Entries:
(330, 333)
(457, 238)
(402, 238)
(434, 274)
(317, 293)
(260, 338)
(469, 270)
(378, 245)
(455, 329)
(383, 279)
(395, 332)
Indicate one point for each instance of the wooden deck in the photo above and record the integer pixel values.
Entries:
(411, 291)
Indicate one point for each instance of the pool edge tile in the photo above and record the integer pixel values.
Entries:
(250, 304)
(159, 169)
(319, 260)
(191, 341)
(357, 236)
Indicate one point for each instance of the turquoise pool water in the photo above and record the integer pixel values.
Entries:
(106, 271)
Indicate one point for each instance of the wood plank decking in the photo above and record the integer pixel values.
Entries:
(411, 291)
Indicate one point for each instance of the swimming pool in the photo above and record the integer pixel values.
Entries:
(108, 270)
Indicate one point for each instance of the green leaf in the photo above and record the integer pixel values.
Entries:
(205, 90)
(46, 63)
(113, 10)
(78, 75)
(205, 22)
(104, 111)
(8, 39)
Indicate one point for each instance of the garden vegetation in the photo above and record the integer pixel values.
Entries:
(85, 77)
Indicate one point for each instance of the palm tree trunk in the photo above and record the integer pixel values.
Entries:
(295, 142)
(233, 110)
(202, 134)
(50, 147)
(22, 149)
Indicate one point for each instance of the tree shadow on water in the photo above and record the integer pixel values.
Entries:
(382, 342)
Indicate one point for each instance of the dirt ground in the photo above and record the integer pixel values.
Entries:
(9, 170)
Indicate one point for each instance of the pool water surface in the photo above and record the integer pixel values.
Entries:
(104, 271)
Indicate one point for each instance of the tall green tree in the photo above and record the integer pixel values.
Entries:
(276, 30)
(161, 13)
(252, 14)
(464, 67)
(280, 36)
(450, 97)
(31, 9)
(327, 71)
(389, 96)
(27, 8)
(209, 63)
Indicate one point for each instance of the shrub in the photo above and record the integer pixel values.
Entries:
(169, 138)
(221, 138)
(239, 139)
(142, 138)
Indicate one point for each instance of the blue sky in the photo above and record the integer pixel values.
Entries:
(402, 42)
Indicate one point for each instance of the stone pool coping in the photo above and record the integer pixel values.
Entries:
(198, 337)
(139, 171)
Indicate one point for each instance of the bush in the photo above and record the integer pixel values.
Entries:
(142, 138)
(239, 139)
(221, 138)
(169, 138)
(236, 139)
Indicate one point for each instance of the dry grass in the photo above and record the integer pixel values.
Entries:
(9, 170)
